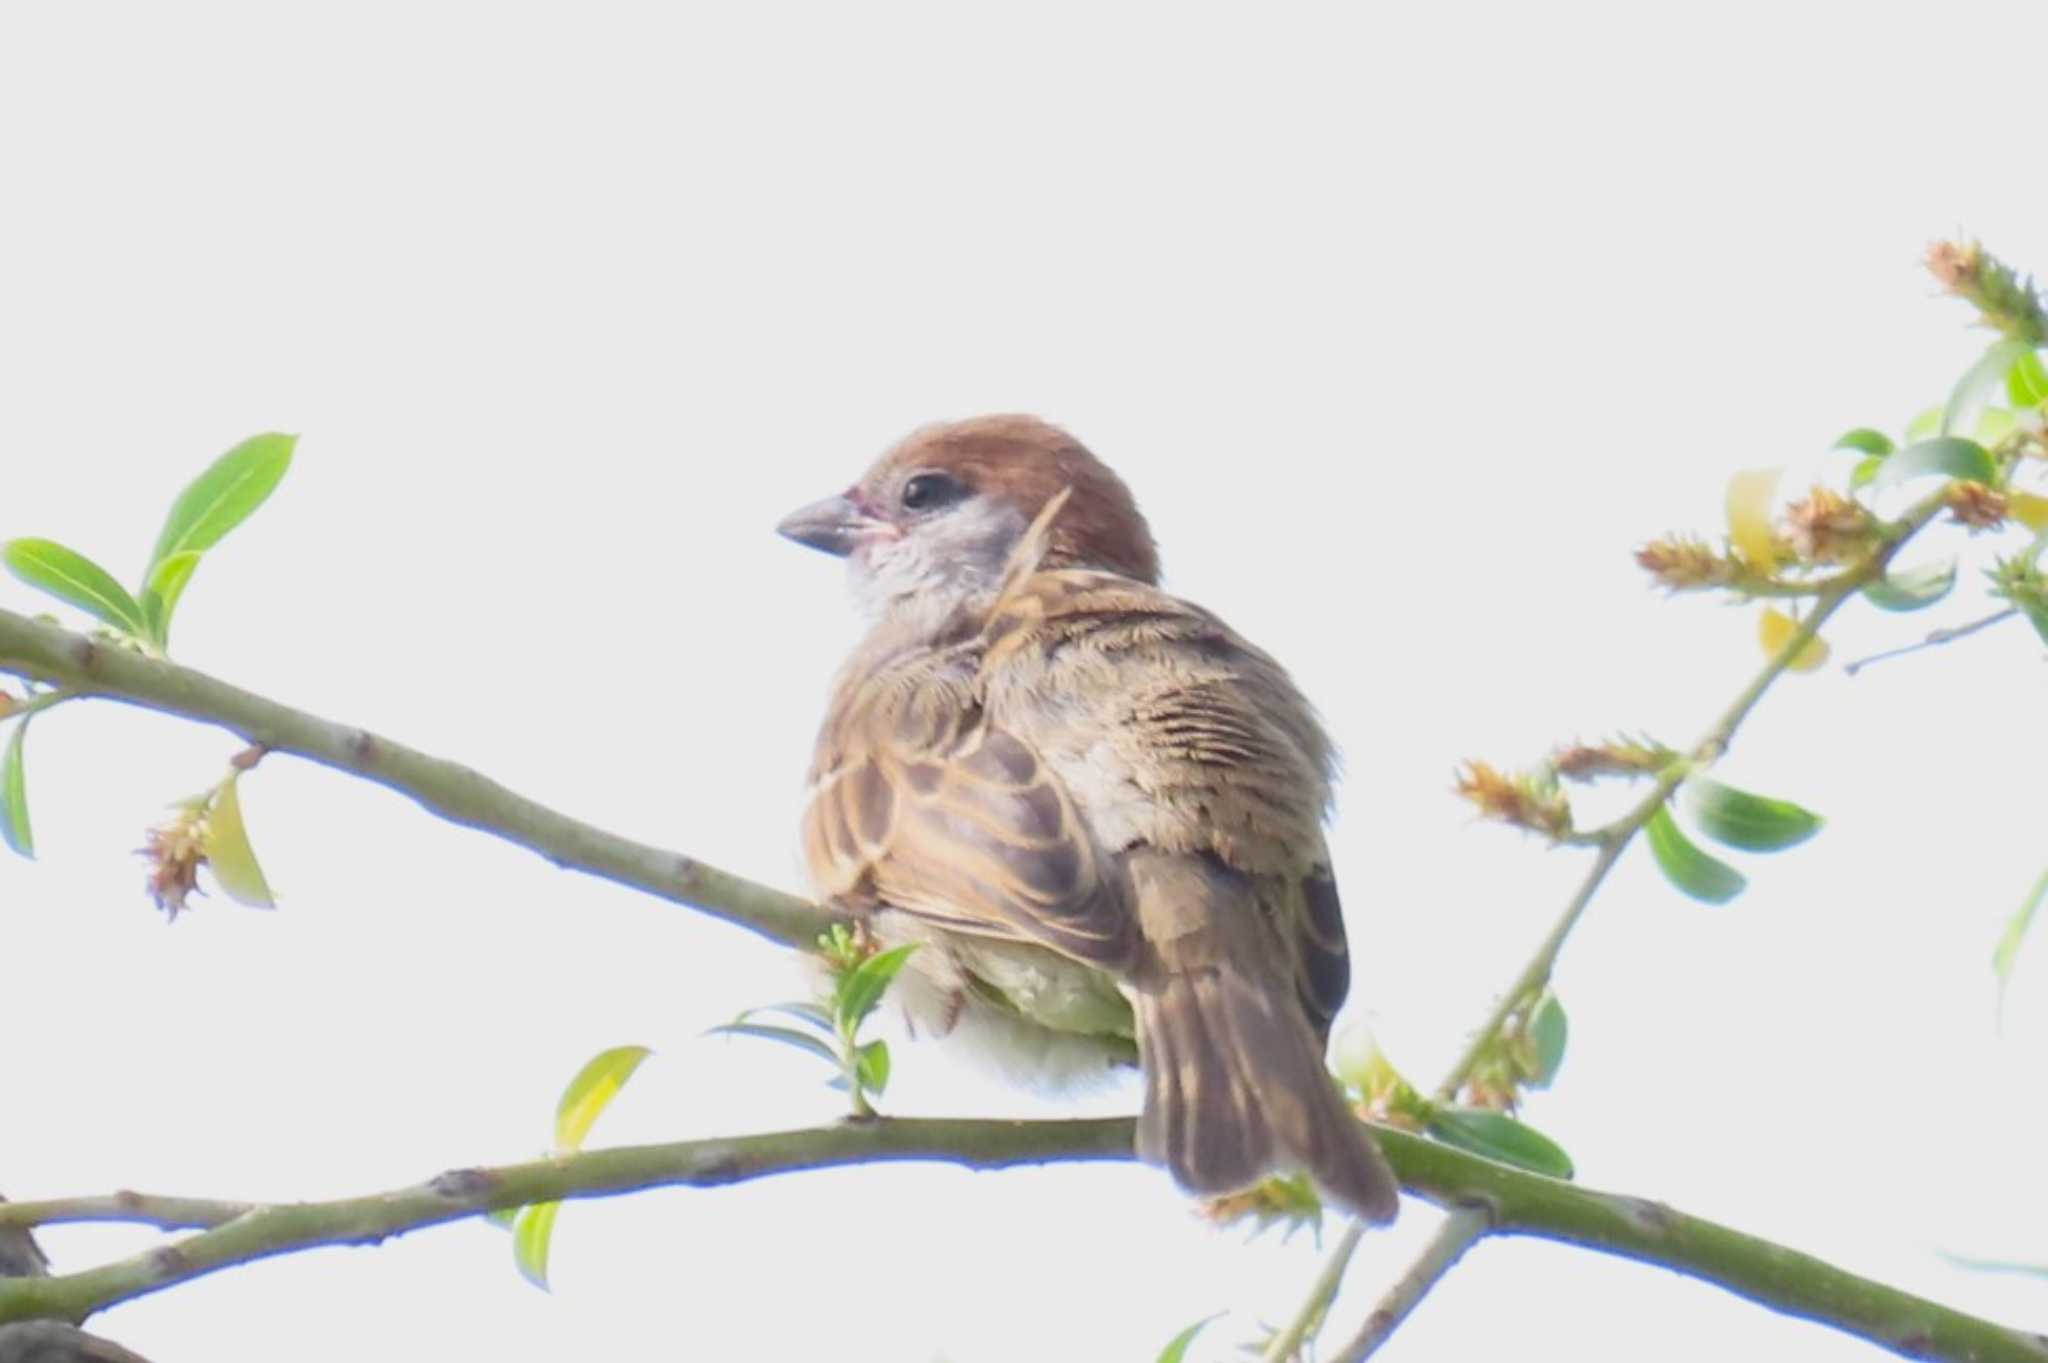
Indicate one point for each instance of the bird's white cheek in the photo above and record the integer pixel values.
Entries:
(872, 574)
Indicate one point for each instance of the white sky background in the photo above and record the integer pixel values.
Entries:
(1406, 325)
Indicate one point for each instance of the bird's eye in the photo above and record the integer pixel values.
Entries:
(928, 490)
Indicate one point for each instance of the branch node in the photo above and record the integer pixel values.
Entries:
(1652, 1216)
(722, 1166)
(462, 1185)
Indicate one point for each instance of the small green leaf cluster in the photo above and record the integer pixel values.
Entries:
(2019, 580)
(1986, 453)
(1525, 1052)
(1980, 447)
(1991, 458)
(214, 503)
(1731, 817)
(859, 978)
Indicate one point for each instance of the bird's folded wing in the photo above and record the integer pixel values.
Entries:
(967, 829)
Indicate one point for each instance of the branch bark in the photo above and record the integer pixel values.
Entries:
(1510, 1201)
(89, 667)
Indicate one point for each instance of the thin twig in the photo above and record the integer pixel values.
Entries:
(1461, 1232)
(1934, 639)
(131, 1208)
(1309, 1316)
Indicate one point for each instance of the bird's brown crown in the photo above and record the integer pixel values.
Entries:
(1026, 462)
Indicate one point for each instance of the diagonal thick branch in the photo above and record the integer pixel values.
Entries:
(88, 667)
(1511, 1203)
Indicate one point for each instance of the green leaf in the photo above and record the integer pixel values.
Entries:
(1910, 589)
(531, 1234)
(2027, 602)
(814, 1014)
(221, 498)
(72, 577)
(2027, 382)
(1864, 471)
(1948, 455)
(14, 797)
(862, 987)
(592, 1090)
(1498, 1136)
(1548, 1031)
(2037, 616)
(1980, 382)
(1865, 440)
(1176, 1350)
(872, 1066)
(1751, 822)
(1926, 424)
(2015, 932)
(1684, 865)
(788, 1036)
(160, 594)
(228, 851)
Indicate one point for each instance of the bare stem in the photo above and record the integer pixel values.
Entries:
(1459, 1232)
(1935, 638)
(1286, 1344)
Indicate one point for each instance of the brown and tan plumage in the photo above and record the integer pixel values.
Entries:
(1098, 806)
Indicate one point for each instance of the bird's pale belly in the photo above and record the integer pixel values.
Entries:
(1037, 1015)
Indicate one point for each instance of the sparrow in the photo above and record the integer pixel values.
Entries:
(1095, 806)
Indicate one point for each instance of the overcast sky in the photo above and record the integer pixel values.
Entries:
(1406, 324)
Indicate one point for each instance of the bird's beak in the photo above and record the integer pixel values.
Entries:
(836, 524)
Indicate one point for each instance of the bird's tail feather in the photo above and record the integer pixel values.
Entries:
(1235, 1089)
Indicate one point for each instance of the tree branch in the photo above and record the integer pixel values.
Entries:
(1459, 1232)
(1510, 1202)
(1463, 1230)
(86, 666)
